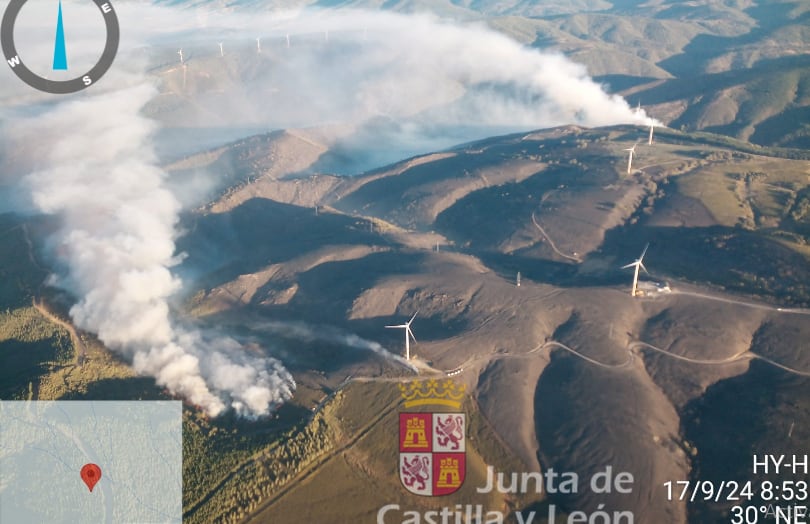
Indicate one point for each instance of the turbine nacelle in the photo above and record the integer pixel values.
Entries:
(637, 264)
(639, 261)
(408, 334)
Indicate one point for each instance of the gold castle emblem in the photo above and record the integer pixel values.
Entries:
(433, 392)
(449, 475)
(415, 434)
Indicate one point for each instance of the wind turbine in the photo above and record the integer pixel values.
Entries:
(638, 263)
(258, 45)
(407, 327)
(221, 50)
(288, 40)
(180, 52)
(652, 126)
(630, 157)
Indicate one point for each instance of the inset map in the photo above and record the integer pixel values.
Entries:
(137, 445)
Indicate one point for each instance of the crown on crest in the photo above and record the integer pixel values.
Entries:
(430, 392)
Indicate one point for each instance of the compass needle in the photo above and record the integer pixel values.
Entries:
(59, 51)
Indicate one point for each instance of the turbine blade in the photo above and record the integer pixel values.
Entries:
(644, 252)
(631, 264)
(397, 327)
(413, 317)
(408, 329)
(644, 268)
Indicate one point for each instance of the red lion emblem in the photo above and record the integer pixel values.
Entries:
(450, 430)
(416, 471)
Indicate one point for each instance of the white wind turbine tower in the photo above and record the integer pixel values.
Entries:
(408, 335)
(631, 150)
(180, 52)
(652, 126)
(221, 50)
(288, 40)
(258, 45)
(637, 264)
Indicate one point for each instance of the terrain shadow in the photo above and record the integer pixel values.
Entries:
(697, 85)
(704, 47)
(260, 232)
(775, 406)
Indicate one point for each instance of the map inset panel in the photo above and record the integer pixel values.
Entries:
(137, 446)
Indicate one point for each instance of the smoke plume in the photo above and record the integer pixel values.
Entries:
(116, 241)
(330, 334)
(389, 85)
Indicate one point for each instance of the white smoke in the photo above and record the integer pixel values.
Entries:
(330, 334)
(117, 236)
(397, 85)
(90, 157)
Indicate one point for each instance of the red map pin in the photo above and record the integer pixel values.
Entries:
(90, 475)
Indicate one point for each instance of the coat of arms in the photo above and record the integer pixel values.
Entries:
(432, 444)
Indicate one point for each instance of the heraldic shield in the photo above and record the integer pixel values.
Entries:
(432, 452)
